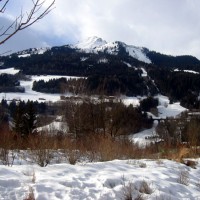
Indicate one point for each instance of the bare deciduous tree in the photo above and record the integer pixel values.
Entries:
(24, 19)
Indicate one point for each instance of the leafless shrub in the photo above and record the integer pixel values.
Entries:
(198, 184)
(42, 156)
(73, 157)
(145, 188)
(41, 149)
(30, 195)
(184, 177)
(142, 165)
(159, 162)
(128, 190)
(33, 177)
(139, 197)
(30, 173)
(7, 156)
(7, 146)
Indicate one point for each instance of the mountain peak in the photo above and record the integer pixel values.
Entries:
(91, 43)
(95, 44)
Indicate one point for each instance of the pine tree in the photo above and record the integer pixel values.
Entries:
(29, 119)
(24, 120)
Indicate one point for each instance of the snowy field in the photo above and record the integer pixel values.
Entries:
(29, 94)
(150, 179)
(9, 71)
(168, 110)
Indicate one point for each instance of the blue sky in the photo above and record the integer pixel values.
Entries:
(166, 26)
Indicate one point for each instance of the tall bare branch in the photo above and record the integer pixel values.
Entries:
(24, 20)
(2, 9)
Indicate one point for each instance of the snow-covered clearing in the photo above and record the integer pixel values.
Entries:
(102, 180)
(144, 72)
(145, 137)
(187, 71)
(135, 101)
(9, 71)
(29, 94)
(168, 110)
(54, 128)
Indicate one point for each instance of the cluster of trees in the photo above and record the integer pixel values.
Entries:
(51, 86)
(183, 130)
(148, 103)
(24, 120)
(85, 117)
(169, 62)
(129, 85)
(177, 85)
(106, 118)
(10, 83)
(21, 115)
(191, 101)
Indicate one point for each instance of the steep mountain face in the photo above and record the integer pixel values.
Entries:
(96, 45)
(90, 44)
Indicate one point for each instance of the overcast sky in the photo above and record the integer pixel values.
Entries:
(166, 26)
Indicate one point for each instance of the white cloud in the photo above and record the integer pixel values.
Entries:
(171, 26)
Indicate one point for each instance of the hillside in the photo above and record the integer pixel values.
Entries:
(110, 68)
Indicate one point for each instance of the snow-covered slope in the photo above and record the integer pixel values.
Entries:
(32, 51)
(113, 180)
(138, 53)
(95, 45)
(9, 71)
(91, 43)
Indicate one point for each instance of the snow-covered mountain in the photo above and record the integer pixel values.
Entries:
(95, 45)
(90, 43)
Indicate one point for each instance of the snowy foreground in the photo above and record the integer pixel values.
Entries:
(148, 179)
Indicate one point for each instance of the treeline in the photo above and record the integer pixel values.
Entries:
(129, 85)
(10, 83)
(51, 86)
(169, 62)
(8, 109)
(106, 118)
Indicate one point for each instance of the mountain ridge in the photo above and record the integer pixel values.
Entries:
(97, 45)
